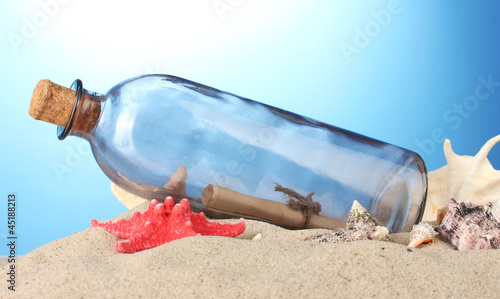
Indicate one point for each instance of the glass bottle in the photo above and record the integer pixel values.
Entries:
(148, 128)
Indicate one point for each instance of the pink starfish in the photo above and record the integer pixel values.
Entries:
(163, 223)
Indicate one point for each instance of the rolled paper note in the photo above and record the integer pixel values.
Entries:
(177, 181)
(229, 201)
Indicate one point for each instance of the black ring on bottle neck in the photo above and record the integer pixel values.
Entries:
(62, 132)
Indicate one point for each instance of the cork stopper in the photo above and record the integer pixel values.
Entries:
(52, 103)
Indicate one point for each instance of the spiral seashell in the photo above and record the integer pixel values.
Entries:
(422, 233)
(468, 226)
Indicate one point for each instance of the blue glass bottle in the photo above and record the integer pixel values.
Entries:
(145, 128)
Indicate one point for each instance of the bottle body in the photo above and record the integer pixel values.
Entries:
(151, 126)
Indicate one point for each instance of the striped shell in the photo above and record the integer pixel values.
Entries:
(468, 226)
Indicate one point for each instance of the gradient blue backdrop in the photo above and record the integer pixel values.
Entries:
(405, 72)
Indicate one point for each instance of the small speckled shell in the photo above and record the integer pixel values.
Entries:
(359, 214)
(422, 233)
(361, 225)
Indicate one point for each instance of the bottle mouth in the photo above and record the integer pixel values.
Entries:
(62, 132)
(394, 204)
(423, 205)
(401, 203)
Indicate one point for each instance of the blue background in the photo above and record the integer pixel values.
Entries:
(405, 72)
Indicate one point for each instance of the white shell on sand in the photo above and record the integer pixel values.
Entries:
(422, 233)
(464, 178)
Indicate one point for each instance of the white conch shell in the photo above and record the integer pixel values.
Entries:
(495, 210)
(464, 178)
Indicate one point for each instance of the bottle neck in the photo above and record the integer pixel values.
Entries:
(86, 112)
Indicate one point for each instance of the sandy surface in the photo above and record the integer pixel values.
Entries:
(3, 261)
(280, 264)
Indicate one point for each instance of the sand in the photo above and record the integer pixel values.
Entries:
(279, 264)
